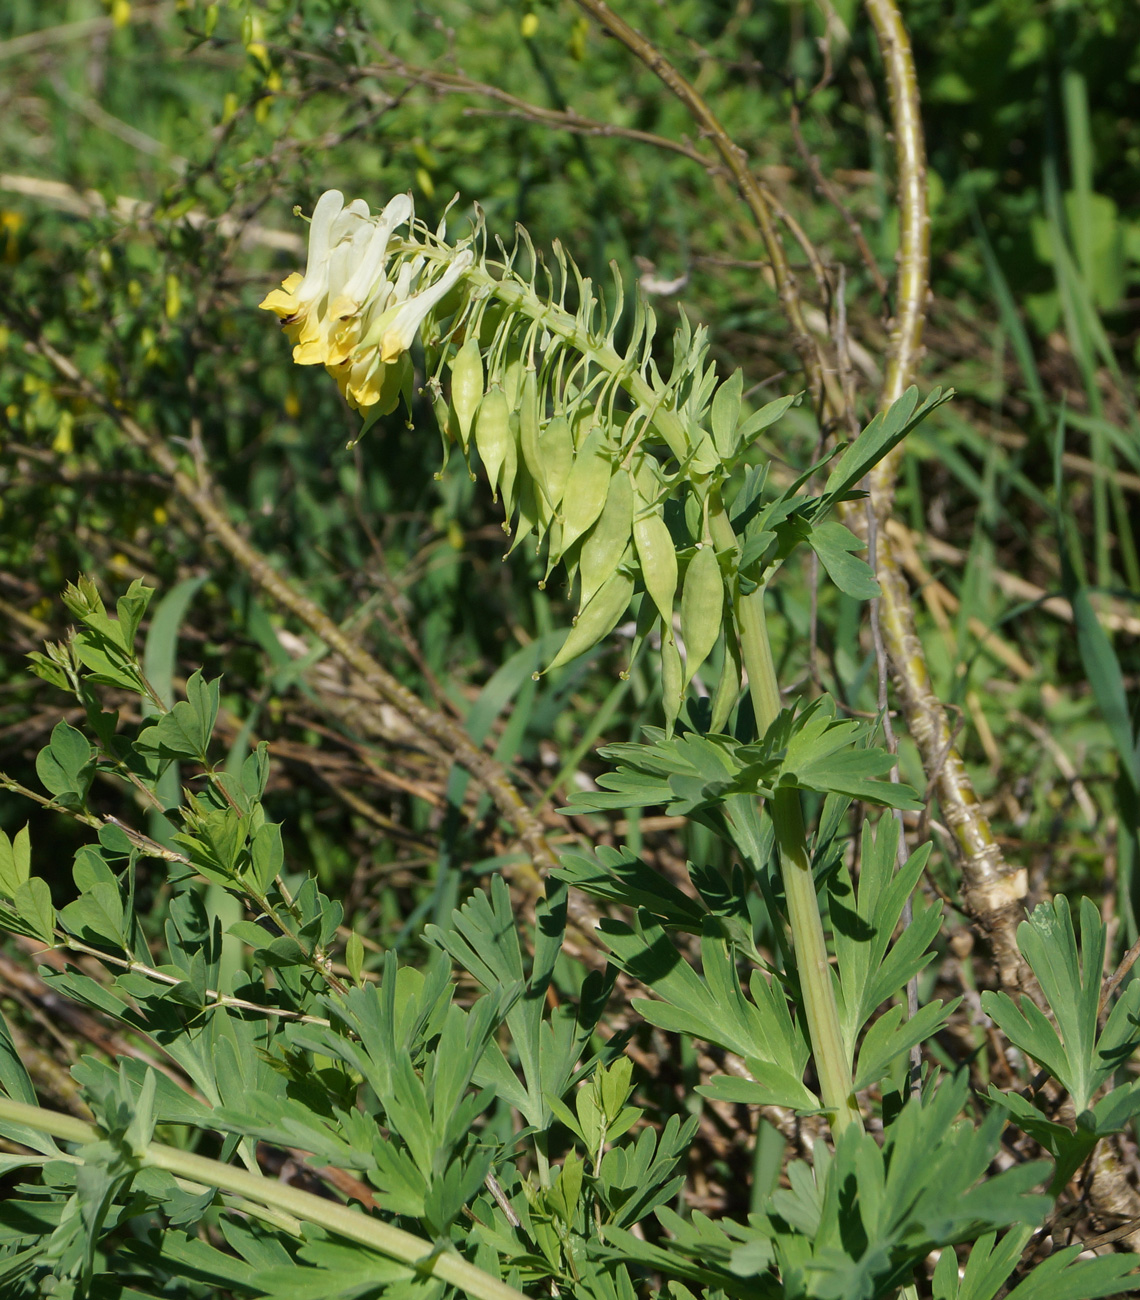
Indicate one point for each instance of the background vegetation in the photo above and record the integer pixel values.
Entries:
(150, 157)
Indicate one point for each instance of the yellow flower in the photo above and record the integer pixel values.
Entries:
(396, 334)
(389, 333)
(338, 237)
(366, 286)
(352, 310)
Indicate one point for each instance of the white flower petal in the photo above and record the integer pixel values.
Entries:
(408, 319)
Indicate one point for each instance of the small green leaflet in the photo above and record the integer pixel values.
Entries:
(834, 545)
(15, 861)
(185, 731)
(67, 765)
(885, 431)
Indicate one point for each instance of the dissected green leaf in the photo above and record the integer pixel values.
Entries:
(872, 968)
(885, 431)
(1073, 1052)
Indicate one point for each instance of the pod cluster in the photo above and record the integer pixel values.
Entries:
(583, 476)
(601, 460)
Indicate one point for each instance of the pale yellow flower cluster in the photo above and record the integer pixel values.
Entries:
(345, 313)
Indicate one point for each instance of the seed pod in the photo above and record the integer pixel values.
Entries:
(728, 687)
(509, 469)
(647, 620)
(553, 552)
(608, 541)
(493, 434)
(646, 477)
(556, 457)
(466, 387)
(702, 609)
(597, 620)
(445, 419)
(671, 682)
(528, 507)
(658, 562)
(528, 423)
(587, 487)
(512, 380)
(582, 421)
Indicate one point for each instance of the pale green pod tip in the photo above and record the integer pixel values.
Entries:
(556, 457)
(607, 542)
(529, 419)
(672, 682)
(587, 487)
(597, 620)
(493, 434)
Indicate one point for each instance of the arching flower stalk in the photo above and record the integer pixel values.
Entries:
(585, 443)
(635, 482)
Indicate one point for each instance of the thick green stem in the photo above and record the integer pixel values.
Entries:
(420, 1255)
(820, 1010)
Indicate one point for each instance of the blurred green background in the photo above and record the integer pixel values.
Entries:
(150, 159)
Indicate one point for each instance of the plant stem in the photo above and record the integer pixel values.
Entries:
(420, 1255)
(820, 1010)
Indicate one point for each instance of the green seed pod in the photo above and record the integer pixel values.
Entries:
(528, 507)
(493, 434)
(528, 423)
(658, 562)
(553, 552)
(444, 417)
(728, 687)
(702, 609)
(512, 381)
(647, 619)
(445, 420)
(597, 620)
(607, 542)
(647, 478)
(582, 421)
(466, 387)
(671, 681)
(556, 457)
(587, 487)
(509, 471)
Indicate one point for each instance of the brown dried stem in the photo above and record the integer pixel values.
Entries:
(445, 82)
(437, 728)
(992, 890)
(821, 372)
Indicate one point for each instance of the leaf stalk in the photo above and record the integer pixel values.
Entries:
(808, 942)
(354, 1225)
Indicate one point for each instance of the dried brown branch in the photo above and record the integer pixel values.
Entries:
(821, 371)
(568, 120)
(434, 726)
(992, 890)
